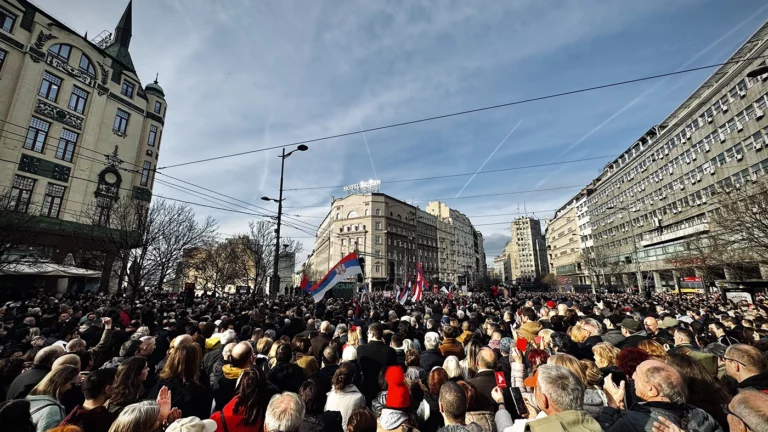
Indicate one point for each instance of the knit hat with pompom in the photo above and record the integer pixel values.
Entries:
(398, 394)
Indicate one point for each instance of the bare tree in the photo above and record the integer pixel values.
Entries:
(147, 240)
(215, 265)
(257, 247)
(17, 229)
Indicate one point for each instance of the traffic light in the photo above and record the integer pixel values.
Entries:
(362, 269)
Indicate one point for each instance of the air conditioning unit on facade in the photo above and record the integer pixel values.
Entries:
(742, 93)
(709, 119)
(712, 170)
(722, 138)
(693, 156)
(739, 126)
(753, 177)
(739, 156)
(707, 148)
(725, 107)
(759, 113)
(666, 151)
(698, 177)
(681, 186)
(671, 170)
(663, 196)
(687, 160)
(688, 134)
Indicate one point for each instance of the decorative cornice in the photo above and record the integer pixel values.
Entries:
(155, 117)
(76, 73)
(55, 113)
(104, 73)
(130, 105)
(11, 41)
(44, 168)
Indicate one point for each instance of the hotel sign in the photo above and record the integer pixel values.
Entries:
(364, 187)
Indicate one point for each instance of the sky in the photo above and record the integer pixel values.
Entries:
(243, 75)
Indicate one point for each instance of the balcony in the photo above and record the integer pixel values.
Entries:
(664, 235)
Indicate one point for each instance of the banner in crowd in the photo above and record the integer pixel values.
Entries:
(348, 266)
(420, 282)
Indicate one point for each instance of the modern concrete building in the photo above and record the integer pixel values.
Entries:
(501, 268)
(446, 250)
(79, 130)
(527, 251)
(650, 202)
(565, 250)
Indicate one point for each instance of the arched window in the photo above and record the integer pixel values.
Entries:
(86, 66)
(61, 50)
(367, 212)
(352, 214)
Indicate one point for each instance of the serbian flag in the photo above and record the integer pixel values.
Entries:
(305, 285)
(419, 287)
(404, 293)
(348, 266)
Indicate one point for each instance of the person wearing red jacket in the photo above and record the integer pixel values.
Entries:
(245, 412)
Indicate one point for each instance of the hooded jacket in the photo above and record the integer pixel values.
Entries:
(642, 415)
(613, 337)
(46, 412)
(529, 330)
(394, 420)
(571, 421)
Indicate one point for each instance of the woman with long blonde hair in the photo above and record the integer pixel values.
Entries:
(45, 398)
(654, 349)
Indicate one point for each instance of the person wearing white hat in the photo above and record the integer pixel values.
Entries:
(192, 424)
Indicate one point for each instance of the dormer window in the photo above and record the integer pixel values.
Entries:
(127, 89)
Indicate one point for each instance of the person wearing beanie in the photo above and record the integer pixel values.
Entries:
(394, 415)
(514, 371)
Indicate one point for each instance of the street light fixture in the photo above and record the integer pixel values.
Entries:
(279, 201)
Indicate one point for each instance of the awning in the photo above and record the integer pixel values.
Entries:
(47, 269)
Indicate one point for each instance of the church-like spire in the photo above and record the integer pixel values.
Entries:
(124, 29)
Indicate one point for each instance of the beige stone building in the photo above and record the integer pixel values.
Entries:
(79, 129)
(464, 265)
(565, 250)
(389, 234)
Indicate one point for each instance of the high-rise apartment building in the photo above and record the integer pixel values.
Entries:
(649, 203)
(66, 103)
(564, 244)
(527, 250)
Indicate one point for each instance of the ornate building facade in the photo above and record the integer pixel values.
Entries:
(79, 130)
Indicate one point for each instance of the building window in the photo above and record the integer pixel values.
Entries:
(352, 214)
(49, 88)
(86, 66)
(61, 51)
(121, 122)
(378, 254)
(66, 147)
(367, 212)
(127, 89)
(158, 107)
(36, 135)
(152, 135)
(378, 240)
(343, 242)
(7, 19)
(3, 53)
(378, 212)
(21, 192)
(78, 99)
(145, 172)
(377, 225)
(377, 268)
(52, 203)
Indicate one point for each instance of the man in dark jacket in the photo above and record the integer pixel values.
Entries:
(286, 376)
(613, 333)
(225, 383)
(746, 365)
(662, 391)
(321, 341)
(431, 357)
(655, 332)
(24, 383)
(485, 380)
(213, 357)
(373, 356)
(127, 350)
(633, 333)
(92, 416)
(330, 366)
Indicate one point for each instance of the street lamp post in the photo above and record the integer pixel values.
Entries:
(279, 201)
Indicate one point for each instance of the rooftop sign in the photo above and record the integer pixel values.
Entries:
(364, 187)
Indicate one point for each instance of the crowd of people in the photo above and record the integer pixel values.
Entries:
(484, 362)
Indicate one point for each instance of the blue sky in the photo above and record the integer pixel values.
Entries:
(245, 74)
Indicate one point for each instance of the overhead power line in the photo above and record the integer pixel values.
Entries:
(469, 174)
(469, 111)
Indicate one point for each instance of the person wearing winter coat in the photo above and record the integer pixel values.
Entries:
(181, 375)
(344, 397)
(530, 327)
(314, 395)
(285, 375)
(450, 346)
(22, 384)
(453, 407)
(431, 357)
(246, 411)
(45, 398)
(661, 390)
(560, 394)
(127, 350)
(395, 416)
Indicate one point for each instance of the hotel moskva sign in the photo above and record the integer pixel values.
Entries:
(364, 187)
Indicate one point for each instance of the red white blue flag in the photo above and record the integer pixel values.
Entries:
(348, 266)
(420, 283)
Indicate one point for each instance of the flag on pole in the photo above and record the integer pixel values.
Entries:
(404, 293)
(348, 266)
(304, 282)
(419, 287)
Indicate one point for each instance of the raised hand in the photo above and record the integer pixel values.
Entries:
(665, 425)
(164, 400)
